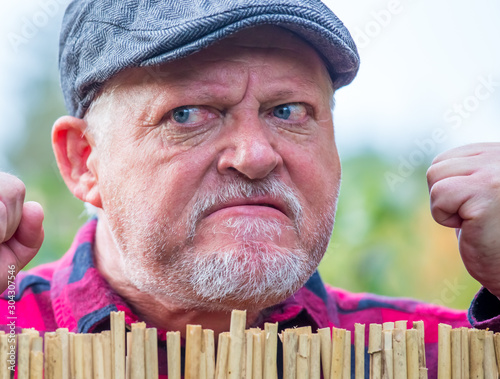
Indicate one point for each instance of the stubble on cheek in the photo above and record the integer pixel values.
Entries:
(218, 276)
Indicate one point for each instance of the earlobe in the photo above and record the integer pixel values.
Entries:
(73, 150)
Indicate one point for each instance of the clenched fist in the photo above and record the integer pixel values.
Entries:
(464, 185)
(21, 230)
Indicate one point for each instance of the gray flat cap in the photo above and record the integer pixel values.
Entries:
(99, 38)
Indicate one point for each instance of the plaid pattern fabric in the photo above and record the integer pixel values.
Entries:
(70, 293)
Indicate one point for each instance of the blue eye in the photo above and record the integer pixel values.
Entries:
(291, 112)
(192, 115)
(282, 111)
(181, 115)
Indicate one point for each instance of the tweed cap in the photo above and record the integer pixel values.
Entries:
(99, 38)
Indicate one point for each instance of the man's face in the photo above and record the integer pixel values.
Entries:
(219, 173)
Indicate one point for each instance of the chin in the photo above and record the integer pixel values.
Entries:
(243, 275)
(249, 276)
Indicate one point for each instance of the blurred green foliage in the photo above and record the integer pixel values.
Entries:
(386, 242)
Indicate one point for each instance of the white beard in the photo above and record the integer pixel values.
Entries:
(245, 272)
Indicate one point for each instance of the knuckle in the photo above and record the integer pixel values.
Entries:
(11, 188)
(435, 191)
(430, 174)
(438, 158)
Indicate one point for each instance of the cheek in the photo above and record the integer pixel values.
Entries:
(170, 181)
(316, 172)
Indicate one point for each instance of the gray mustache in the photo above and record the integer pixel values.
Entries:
(238, 188)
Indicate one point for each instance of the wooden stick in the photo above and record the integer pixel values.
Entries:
(174, 355)
(118, 344)
(151, 350)
(315, 357)
(399, 349)
(490, 364)
(496, 339)
(303, 357)
(88, 371)
(106, 351)
(248, 354)
(388, 325)
(456, 353)
(257, 370)
(387, 355)
(244, 360)
(346, 372)
(32, 332)
(263, 339)
(444, 351)
(271, 350)
(36, 364)
(23, 355)
(222, 355)
(193, 350)
(36, 358)
(209, 349)
(338, 348)
(78, 355)
(98, 356)
(138, 351)
(326, 350)
(303, 330)
(37, 344)
(53, 356)
(71, 344)
(4, 352)
(419, 325)
(412, 353)
(375, 350)
(290, 349)
(401, 324)
(465, 353)
(202, 374)
(359, 351)
(476, 353)
(237, 336)
(63, 334)
(128, 342)
(46, 337)
(422, 373)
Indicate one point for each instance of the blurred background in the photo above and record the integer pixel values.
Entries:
(429, 81)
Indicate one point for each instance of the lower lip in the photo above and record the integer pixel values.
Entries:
(249, 211)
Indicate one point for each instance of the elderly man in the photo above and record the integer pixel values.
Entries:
(202, 132)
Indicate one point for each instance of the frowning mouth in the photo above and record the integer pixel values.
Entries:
(251, 205)
(267, 200)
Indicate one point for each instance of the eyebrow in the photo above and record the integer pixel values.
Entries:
(282, 93)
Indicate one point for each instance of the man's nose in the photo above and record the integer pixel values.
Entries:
(249, 149)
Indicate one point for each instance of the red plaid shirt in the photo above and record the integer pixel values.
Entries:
(70, 293)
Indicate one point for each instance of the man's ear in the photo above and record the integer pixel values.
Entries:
(76, 159)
